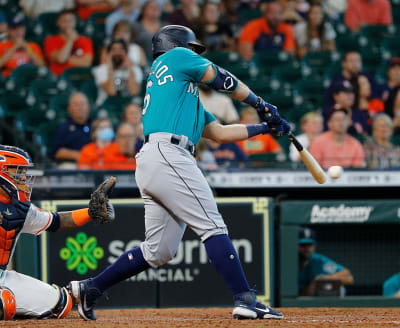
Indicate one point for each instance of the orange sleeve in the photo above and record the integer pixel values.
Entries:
(86, 45)
(3, 47)
(271, 145)
(250, 32)
(289, 38)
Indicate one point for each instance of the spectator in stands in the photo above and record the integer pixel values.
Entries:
(311, 125)
(393, 77)
(148, 23)
(122, 154)
(227, 155)
(16, 51)
(266, 33)
(367, 12)
(85, 8)
(72, 135)
(34, 8)
(314, 267)
(212, 32)
(68, 48)
(392, 108)
(186, 14)
(260, 144)
(365, 102)
(122, 30)
(3, 26)
(336, 147)
(127, 11)
(292, 10)
(391, 287)
(315, 34)
(344, 97)
(380, 153)
(133, 115)
(92, 155)
(218, 104)
(119, 76)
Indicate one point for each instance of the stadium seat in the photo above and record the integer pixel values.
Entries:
(284, 100)
(95, 28)
(246, 15)
(218, 57)
(268, 60)
(260, 84)
(347, 42)
(311, 90)
(375, 33)
(372, 59)
(59, 104)
(392, 45)
(76, 76)
(41, 91)
(289, 73)
(45, 25)
(23, 75)
(89, 88)
(115, 105)
(318, 61)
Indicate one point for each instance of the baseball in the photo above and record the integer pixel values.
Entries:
(335, 171)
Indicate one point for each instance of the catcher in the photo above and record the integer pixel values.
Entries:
(20, 294)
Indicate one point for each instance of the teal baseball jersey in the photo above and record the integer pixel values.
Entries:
(172, 103)
(317, 265)
(391, 286)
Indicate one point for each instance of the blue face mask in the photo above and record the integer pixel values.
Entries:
(106, 134)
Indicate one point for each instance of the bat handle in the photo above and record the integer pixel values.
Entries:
(295, 142)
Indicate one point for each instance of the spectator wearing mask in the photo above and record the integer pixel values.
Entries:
(34, 8)
(92, 155)
(16, 51)
(68, 48)
(127, 11)
(122, 154)
(311, 125)
(148, 23)
(123, 30)
(315, 34)
(133, 115)
(218, 104)
(119, 76)
(360, 13)
(72, 135)
(186, 14)
(380, 153)
(266, 33)
(212, 32)
(259, 144)
(85, 8)
(335, 146)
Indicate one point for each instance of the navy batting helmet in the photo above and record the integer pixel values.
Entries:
(171, 36)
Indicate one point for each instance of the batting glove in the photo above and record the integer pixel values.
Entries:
(280, 129)
(271, 116)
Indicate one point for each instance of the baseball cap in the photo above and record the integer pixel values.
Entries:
(343, 86)
(306, 235)
(17, 20)
(395, 61)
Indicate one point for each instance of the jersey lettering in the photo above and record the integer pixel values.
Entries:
(193, 89)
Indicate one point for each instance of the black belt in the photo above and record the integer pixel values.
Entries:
(176, 140)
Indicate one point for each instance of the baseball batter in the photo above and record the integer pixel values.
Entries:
(174, 190)
(20, 294)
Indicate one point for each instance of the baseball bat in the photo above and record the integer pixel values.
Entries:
(309, 161)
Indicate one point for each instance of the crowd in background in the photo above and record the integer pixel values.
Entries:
(353, 127)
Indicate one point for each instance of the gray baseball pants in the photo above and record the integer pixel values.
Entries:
(176, 195)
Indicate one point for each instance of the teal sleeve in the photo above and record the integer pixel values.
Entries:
(191, 64)
(208, 117)
(391, 286)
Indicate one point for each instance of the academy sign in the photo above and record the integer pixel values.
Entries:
(340, 214)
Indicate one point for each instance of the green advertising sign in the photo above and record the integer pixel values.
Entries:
(340, 211)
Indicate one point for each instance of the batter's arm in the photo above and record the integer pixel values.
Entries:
(225, 133)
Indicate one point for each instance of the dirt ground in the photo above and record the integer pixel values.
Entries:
(221, 317)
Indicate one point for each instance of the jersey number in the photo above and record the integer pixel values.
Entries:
(160, 72)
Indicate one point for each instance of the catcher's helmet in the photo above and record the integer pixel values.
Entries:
(14, 163)
(7, 303)
(171, 36)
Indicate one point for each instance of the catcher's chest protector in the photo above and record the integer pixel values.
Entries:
(12, 222)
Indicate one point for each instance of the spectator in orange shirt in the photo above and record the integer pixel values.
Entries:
(122, 155)
(367, 12)
(16, 51)
(85, 8)
(67, 49)
(266, 33)
(262, 143)
(336, 147)
(92, 156)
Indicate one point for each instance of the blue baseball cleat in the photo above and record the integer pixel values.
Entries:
(247, 307)
(85, 294)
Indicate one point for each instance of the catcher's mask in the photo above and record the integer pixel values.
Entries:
(14, 164)
(171, 36)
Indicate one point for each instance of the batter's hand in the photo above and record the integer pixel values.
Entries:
(100, 208)
(280, 129)
(268, 112)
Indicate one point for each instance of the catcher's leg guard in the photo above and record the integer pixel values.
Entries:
(8, 305)
(63, 306)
